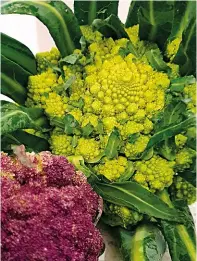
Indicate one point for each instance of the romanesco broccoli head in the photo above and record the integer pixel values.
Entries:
(155, 174)
(180, 140)
(61, 144)
(132, 150)
(90, 35)
(184, 158)
(46, 59)
(112, 169)
(88, 148)
(120, 216)
(181, 189)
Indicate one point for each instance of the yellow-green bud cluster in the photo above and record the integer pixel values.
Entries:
(127, 216)
(184, 158)
(112, 169)
(89, 35)
(88, 148)
(172, 48)
(181, 189)
(180, 140)
(133, 150)
(55, 105)
(45, 59)
(155, 174)
(61, 144)
(190, 93)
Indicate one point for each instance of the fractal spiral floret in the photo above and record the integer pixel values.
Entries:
(118, 102)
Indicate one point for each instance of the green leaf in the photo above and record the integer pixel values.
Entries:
(154, 18)
(13, 80)
(186, 54)
(180, 238)
(128, 172)
(145, 243)
(170, 131)
(130, 48)
(70, 124)
(178, 84)
(167, 148)
(132, 195)
(56, 15)
(70, 59)
(113, 144)
(15, 117)
(87, 11)
(19, 137)
(18, 53)
(190, 174)
(110, 27)
(87, 130)
(156, 60)
(132, 138)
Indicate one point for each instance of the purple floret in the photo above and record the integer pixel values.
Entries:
(50, 215)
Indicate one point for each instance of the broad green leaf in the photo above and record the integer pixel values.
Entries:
(18, 53)
(70, 59)
(19, 137)
(87, 130)
(110, 27)
(87, 11)
(56, 15)
(145, 243)
(154, 19)
(170, 131)
(132, 17)
(180, 238)
(130, 48)
(132, 195)
(184, 11)
(15, 117)
(178, 84)
(13, 80)
(156, 60)
(186, 54)
(113, 144)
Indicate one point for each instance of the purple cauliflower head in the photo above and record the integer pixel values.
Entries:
(48, 211)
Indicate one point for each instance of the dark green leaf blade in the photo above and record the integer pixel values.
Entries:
(56, 15)
(18, 53)
(87, 11)
(132, 195)
(20, 137)
(190, 174)
(132, 17)
(111, 150)
(180, 238)
(110, 27)
(145, 243)
(155, 20)
(178, 84)
(15, 117)
(186, 54)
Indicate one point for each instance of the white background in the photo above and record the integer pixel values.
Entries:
(35, 35)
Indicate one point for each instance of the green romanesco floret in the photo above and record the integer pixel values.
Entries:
(40, 85)
(180, 140)
(47, 59)
(109, 123)
(112, 169)
(181, 189)
(121, 216)
(88, 148)
(184, 158)
(55, 106)
(174, 70)
(134, 150)
(190, 93)
(172, 48)
(133, 32)
(155, 174)
(124, 86)
(89, 34)
(61, 144)
(131, 127)
(148, 126)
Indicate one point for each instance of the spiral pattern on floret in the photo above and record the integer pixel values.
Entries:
(155, 174)
(190, 94)
(88, 148)
(184, 158)
(135, 149)
(61, 144)
(112, 169)
(181, 189)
